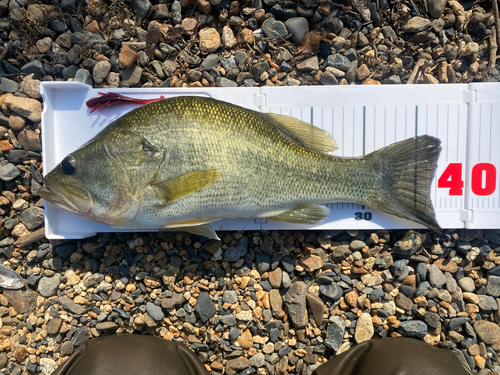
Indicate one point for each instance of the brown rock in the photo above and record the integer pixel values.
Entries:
(187, 3)
(295, 301)
(53, 326)
(20, 354)
(233, 366)
(64, 40)
(30, 140)
(42, 13)
(246, 339)
(275, 278)
(44, 44)
(35, 236)
(16, 122)
(259, 14)
(247, 36)
(97, 8)
(23, 301)
(363, 72)
(176, 300)
(352, 298)
(228, 39)
(31, 87)
(488, 332)
(446, 265)
(403, 302)
(364, 328)
(204, 6)
(317, 307)
(311, 262)
(209, 40)
(189, 26)
(6, 146)
(29, 108)
(127, 56)
(275, 300)
(93, 27)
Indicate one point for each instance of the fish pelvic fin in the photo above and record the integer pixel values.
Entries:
(303, 214)
(178, 187)
(305, 135)
(408, 169)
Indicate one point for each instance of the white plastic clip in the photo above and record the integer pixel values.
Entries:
(470, 96)
(259, 100)
(466, 215)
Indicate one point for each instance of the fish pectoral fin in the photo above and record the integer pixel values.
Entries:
(303, 214)
(306, 135)
(178, 187)
(191, 226)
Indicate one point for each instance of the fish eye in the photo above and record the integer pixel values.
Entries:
(68, 165)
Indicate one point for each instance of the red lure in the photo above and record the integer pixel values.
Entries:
(112, 98)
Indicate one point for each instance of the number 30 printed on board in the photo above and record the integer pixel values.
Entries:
(483, 179)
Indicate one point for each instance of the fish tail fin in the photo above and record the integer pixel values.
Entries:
(408, 168)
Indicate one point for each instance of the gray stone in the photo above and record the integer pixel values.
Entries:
(155, 311)
(285, 280)
(7, 85)
(204, 307)
(9, 172)
(229, 320)
(274, 29)
(81, 335)
(389, 33)
(413, 328)
(70, 71)
(93, 280)
(297, 26)
(340, 253)
(331, 291)
(101, 71)
(328, 78)
(421, 270)
(357, 245)
(132, 76)
(436, 7)
(456, 323)
(48, 286)
(170, 302)
(436, 276)
(392, 80)
(467, 284)
(493, 286)
(259, 68)
(84, 37)
(258, 360)
(32, 217)
(338, 61)
(68, 6)
(69, 305)
(67, 348)
(64, 250)
(141, 8)
(35, 67)
(234, 333)
(334, 24)
(309, 64)
(335, 333)
(54, 264)
(230, 296)
(263, 262)
(176, 14)
(236, 252)
(416, 24)
(409, 244)
(487, 303)
(84, 76)
(295, 301)
(224, 82)
(210, 62)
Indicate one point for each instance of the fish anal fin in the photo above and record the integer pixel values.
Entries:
(190, 226)
(307, 135)
(176, 188)
(303, 214)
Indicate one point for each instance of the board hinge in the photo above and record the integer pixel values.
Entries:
(259, 100)
(470, 96)
(466, 216)
(260, 221)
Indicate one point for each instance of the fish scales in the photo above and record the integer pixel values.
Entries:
(193, 160)
(261, 172)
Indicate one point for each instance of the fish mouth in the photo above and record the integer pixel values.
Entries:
(67, 197)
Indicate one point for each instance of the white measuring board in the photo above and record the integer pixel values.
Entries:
(361, 118)
(482, 177)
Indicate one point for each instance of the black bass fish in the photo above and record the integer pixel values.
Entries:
(184, 162)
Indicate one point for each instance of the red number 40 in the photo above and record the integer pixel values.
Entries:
(484, 179)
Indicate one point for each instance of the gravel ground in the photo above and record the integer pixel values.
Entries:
(255, 302)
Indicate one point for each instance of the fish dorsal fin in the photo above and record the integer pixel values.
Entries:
(306, 135)
(178, 187)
